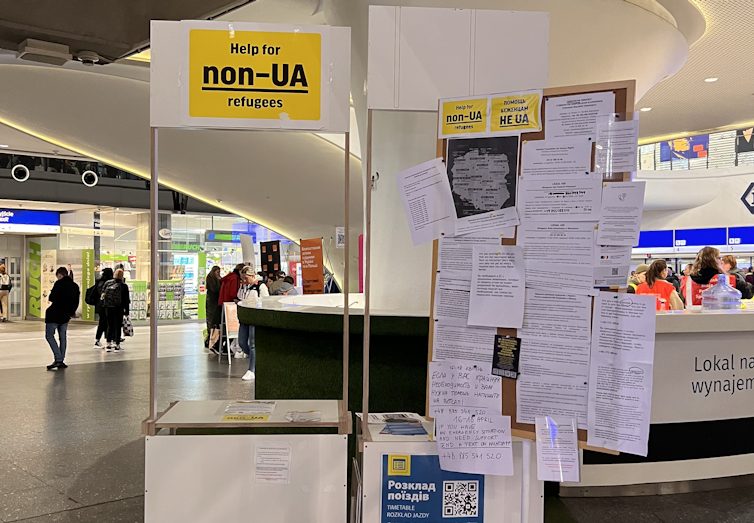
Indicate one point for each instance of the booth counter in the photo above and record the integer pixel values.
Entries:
(702, 412)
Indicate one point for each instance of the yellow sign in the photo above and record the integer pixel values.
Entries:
(398, 465)
(246, 417)
(516, 112)
(259, 75)
(464, 117)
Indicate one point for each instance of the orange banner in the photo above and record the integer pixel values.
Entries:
(312, 272)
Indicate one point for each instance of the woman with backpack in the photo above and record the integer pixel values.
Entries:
(116, 302)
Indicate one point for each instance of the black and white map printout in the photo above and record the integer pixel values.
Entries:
(561, 159)
(620, 373)
(576, 115)
(483, 173)
(427, 201)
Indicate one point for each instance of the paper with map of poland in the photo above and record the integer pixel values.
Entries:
(427, 201)
(483, 174)
(561, 159)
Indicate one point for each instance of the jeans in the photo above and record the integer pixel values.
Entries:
(246, 341)
(62, 328)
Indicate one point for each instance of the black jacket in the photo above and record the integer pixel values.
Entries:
(64, 300)
(125, 299)
(100, 285)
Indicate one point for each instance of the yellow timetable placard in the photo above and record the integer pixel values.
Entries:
(516, 112)
(464, 117)
(246, 417)
(254, 74)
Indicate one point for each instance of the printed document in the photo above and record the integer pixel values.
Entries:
(611, 264)
(617, 145)
(462, 344)
(455, 252)
(272, 463)
(623, 327)
(557, 449)
(427, 201)
(452, 292)
(568, 243)
(576, 115)
(556, 159)
(497, 286)
(475, 444)
(622, 205)
(576, 279)
(571, 200)
(550, 397)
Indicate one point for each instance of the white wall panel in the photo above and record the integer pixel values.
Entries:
(381, 56)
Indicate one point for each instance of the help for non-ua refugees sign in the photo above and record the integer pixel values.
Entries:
(255, 75)
(491, 115)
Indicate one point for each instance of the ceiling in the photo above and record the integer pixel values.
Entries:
(111, 28)
(25, 144)
(685, 102)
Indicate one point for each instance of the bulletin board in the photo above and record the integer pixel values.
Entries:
(624, 107)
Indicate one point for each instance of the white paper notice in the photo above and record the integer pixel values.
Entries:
(452, 292)
(557, 449)
(272, 463)
(568, 243)
(620, 377)
(620, 403)
(556, 159)
(427, 201)
(461, 344)
(572, 200)
(455, 252)
(622, 205)
(576, 115)
(576, 279)
(475, 444)
(624, 327)
(464, 385)
(555, 336)
(497, 286)
(250, 407)
(536, 397)
(617, 144)
(611, 264)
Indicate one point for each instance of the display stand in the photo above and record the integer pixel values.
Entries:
(516, 498)
(185, 473)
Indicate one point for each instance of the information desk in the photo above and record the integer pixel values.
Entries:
(702, 412)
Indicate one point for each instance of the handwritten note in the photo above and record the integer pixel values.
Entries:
(464, 385)
(474, 443)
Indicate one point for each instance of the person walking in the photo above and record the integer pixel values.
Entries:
(117, 303)
(212, 307)
(99, 308)
(5, 286)
(64, 300)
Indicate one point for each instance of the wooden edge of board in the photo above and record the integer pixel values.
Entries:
(628, 85)
(526, 434)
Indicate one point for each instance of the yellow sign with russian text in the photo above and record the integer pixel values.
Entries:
(258, 75)
(246, 417)
(464, 117)
(516, 112)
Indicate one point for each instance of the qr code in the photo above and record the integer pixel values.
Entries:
(615, 271)
(460, 499)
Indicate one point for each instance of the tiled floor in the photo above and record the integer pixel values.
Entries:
(71, 448)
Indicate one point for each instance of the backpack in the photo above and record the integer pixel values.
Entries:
(7, 283)
(91, 297)
(111, 293)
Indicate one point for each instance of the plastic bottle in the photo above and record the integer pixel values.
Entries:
(721, 296)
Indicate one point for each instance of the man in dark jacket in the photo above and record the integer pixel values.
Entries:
(64, 300)
(107, 274)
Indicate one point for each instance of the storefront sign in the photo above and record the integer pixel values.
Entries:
(166, 234)
(34, 282)
(492, 115)
(31, 222)
(748, 198)
(414, 488)
(255, 75)
(87, 280)
(186, 247)
(312, 271)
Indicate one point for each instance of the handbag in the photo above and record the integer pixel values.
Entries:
(128, 329)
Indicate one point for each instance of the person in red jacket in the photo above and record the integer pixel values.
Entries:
(229, 285)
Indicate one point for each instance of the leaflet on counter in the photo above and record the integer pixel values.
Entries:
(567, 200)
(497, 286)
(576, 115)
(621, 210)
(427, 201)
(560, 159)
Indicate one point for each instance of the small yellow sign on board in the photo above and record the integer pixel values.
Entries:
(516, 112)
(464, 116)
(254, 74)
(490, 115)
(246, 417)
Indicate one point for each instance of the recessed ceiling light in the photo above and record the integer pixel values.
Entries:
(43, 208)
(3, 145)
(645, 109)
(710, 80)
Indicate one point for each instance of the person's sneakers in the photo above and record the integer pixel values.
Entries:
(98, 345)
(55, 365)
(109, 348)
(62, 365)
(214, 350)
(122, 340)
(249, 376)
(117, 348)
(240, 355)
